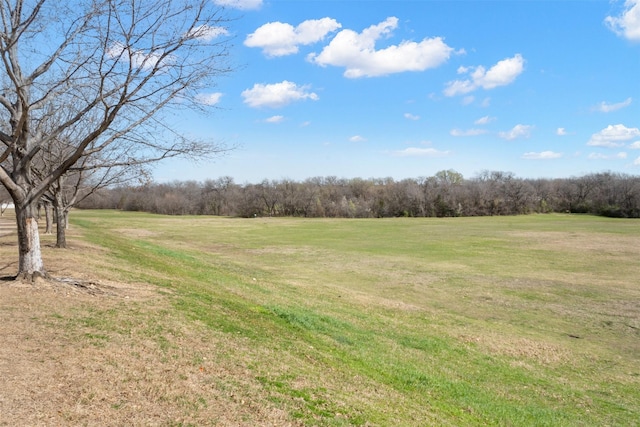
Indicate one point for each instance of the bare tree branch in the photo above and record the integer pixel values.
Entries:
(84, 81)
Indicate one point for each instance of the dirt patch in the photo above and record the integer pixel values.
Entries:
(75, 286)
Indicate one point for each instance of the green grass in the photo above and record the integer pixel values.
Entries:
(529, 320)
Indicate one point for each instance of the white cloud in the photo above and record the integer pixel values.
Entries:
(209, 98)
(280, 39)
(636, 162)
(635, 145)
(561, 131)
(276, 95)
(207, 33)
(627, 24)
(357, 138)
(468, 132)
(486, 102)
(501, 74)
(240, 4)
(543, 155)
(599, 156)
(605, 107)
(484, 120)
(274, 119)
(411, 116)
(357, 53)
(518, 131)
(613, 136)
(420, 152)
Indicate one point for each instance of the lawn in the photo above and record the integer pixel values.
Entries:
(528, 320)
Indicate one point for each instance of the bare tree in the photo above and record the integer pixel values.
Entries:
(89, 174)
(98, 74)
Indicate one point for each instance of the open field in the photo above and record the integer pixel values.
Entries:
(529, 320)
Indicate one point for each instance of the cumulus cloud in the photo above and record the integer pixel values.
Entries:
(280, 39)
(605, 107)
(468, 132)
(484, 120)
(635, 145)
(627, 24)
(561, 131)
(207, 33)
(420, 152)
(501, 74)
(357, 138)
(599, 156)
(240, 4)
(636, 162)
(275, 119)
(518, 131)
(411, 116)
(543, 155)
(357, 53)
(208, 98)
(613, 136)
(276, 95)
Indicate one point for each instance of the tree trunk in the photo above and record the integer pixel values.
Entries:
(30, 264)
(48, 214)
(61, 227)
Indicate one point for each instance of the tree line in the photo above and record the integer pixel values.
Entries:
(445, 194)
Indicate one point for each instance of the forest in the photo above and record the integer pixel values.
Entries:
(445, 194)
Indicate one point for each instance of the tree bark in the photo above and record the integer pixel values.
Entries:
(61, 227)
(48, 214)
(30, 264)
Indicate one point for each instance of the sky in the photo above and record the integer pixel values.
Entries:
(404, 89)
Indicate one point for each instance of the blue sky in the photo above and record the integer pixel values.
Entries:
(403, 89)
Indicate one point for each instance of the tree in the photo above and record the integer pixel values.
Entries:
(81, 181)
(215, 198)
(99, 75)
(447, 202)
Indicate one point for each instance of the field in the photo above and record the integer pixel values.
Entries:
(169, 321)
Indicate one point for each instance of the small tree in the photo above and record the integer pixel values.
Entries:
(89, 174)
(98, 74)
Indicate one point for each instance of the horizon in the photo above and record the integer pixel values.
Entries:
(404, 89)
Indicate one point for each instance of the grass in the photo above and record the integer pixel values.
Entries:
(529, 320)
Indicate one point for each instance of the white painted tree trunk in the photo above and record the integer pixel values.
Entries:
(30, 264)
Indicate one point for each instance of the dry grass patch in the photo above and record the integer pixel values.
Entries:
(135, 232)
(81, 359)
(81, 351)
(580, 242)
(536, 351)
